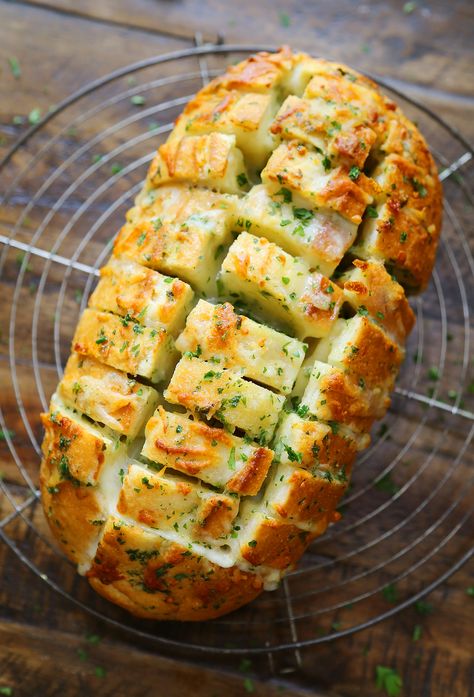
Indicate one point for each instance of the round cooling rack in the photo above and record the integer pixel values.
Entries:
(406, 519)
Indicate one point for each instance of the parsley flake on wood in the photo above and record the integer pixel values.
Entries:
(390, 593)
(14, 67)
(387, 679)
(423, 607)
(34, 116)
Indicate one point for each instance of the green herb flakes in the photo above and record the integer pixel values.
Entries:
(15, 70)
(387, 679)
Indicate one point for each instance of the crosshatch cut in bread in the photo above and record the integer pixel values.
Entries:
(242, 339)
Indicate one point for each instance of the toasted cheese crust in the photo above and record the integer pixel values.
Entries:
(242, 339)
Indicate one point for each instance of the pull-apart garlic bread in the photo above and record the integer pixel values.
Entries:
(242, 339)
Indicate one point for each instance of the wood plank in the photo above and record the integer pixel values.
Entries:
(83, 51)
(431, 45)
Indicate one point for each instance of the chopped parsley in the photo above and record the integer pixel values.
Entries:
(303, 214)
(293, 455)
(354, 173)
(34, 116)
(138, 100)
(326, 162)
(211, 374)
(14, 67)
(387, 679)
(286, 194)
(242, 179)
(372, 212)
(390, 593)
(423, 607)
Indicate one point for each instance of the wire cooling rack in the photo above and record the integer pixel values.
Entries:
(406, 520)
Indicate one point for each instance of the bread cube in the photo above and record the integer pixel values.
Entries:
(217, 333)
(212, 454)
(363, 351)
(368, 286)
(266, 541)
(211, 160)
(304, 498)
(261, 272)
(167, 502)
(179, 231)
(321, 236)
(107, 395)
(401, 229)
(310, 181)
(313, 444)
(205, 388)
(78, 450)
(245, 115)
(131, 290)
(332, 128)
(333, 396)
(124, 344)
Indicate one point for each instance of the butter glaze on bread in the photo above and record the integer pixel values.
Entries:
(243, 337)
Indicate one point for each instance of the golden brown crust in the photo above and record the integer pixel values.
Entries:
(72, 460)
(158, 579)
(206, 515)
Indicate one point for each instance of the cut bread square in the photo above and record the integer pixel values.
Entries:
(146, 296)
(245, 115)
(369, 286)
(401, 229)
(211, 454)
(333, 396)
(219, 334)
(311, 181)
(363, 351)
(125, 345)
(261, 273)
(168, 502)
(79, 450)
(206, 389)
(211, 160)
(304, 498)
(311, 444)
(332, 128)
(107, 395)
(179, 231)
(321, 236)
(269, 542)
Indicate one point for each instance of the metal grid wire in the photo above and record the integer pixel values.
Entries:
(405, 530)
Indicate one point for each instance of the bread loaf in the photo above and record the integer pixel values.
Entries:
(242, 339)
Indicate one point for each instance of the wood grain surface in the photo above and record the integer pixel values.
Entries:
(48, 645)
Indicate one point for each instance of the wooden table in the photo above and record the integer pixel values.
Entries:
(47, 646)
